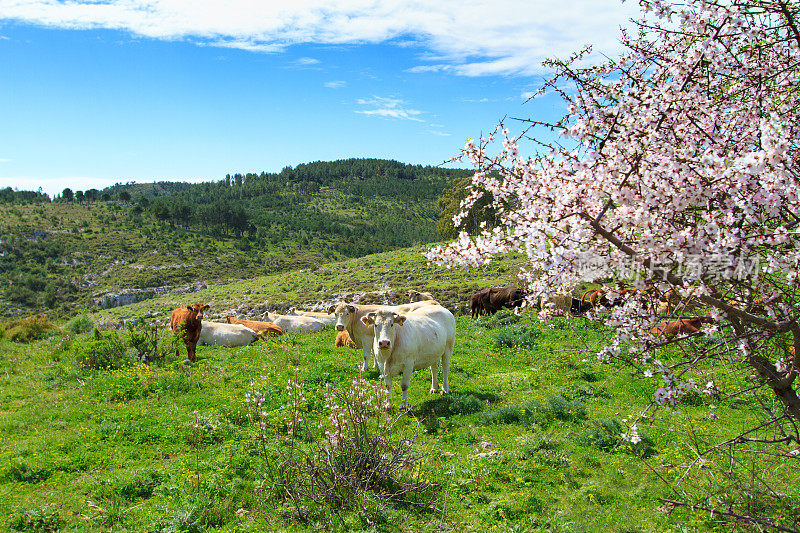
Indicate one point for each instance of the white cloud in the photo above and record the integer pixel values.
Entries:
(439, 133)
(473, 38)
(4, 160)
(388, 108)
(336, 84)
(307, 61)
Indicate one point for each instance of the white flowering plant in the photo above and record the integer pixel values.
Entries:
(674, 168)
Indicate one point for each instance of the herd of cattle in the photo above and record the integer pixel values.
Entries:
(403, 338)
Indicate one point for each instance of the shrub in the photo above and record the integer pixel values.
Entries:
(509, 414)
(79, 324)
(452, 404)
(357, 461)
(555, 408)
(518, 337)
(501, 318)
(102, 351)
(24, 473)
(39, 519)
(606, 435)
(29, 329)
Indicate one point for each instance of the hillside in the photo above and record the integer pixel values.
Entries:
(147, 239)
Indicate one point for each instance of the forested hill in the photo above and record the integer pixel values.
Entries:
(61, 254)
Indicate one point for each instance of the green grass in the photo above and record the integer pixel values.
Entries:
(527, 440)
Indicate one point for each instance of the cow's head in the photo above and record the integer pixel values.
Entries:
(197, 309)
(383, 322)
(344, 313)
(292, 311)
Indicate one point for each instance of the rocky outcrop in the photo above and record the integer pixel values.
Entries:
(107, 301)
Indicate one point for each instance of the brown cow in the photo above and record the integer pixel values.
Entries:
(264, 329)
(670, 328)
(343, 339)
(490, 300)
(188, 322)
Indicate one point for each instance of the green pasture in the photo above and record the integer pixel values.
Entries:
(527, 440)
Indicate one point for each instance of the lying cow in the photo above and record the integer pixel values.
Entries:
(416, 296)
(188, 322)
(230, 335)
(295, 323)
(322, 317)
(406, 342)
(348, 317)
(343, 340)
(264, 329)
(671, 328)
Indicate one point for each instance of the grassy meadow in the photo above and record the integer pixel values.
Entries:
(529, 439)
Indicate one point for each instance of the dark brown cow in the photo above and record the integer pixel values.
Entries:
(264, 329)
(490, 300)
(188, 322)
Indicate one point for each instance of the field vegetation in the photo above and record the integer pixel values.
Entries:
(108, 431)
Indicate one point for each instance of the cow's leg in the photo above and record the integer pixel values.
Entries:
(446, 357)
(435, 377)
(408, 369)
(376, 363)
(366, 351)
(190, 352)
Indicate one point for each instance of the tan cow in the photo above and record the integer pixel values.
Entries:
(264, 329)
(343, 339)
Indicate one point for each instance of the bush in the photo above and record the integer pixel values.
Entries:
(29, 329)
(555, 408)
(39, 519)
(79, 324)
(509, 414)
(102, 351)
(499, 319)
(518, 337)
(24, 473)
(607, 435)
(357, 462)
(453, 404)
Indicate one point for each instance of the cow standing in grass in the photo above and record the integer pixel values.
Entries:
(406, 342)
(188, 322)
(348, 317)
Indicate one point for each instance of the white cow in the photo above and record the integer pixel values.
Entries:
(348, 317)
(322, 317)
(219, 334)
(295, 323)
(413, 341)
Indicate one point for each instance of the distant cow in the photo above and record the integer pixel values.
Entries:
(348, 317)
(188, 322)
(671, 328)
(322, 317)
(264, 329)
(490, 300)
(416, 296)
(295, 323)
(343, 340)
(406, 342)
(223, 334)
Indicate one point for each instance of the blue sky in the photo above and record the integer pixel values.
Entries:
(93, 93)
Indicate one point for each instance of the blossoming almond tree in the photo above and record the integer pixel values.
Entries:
(675, 166)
